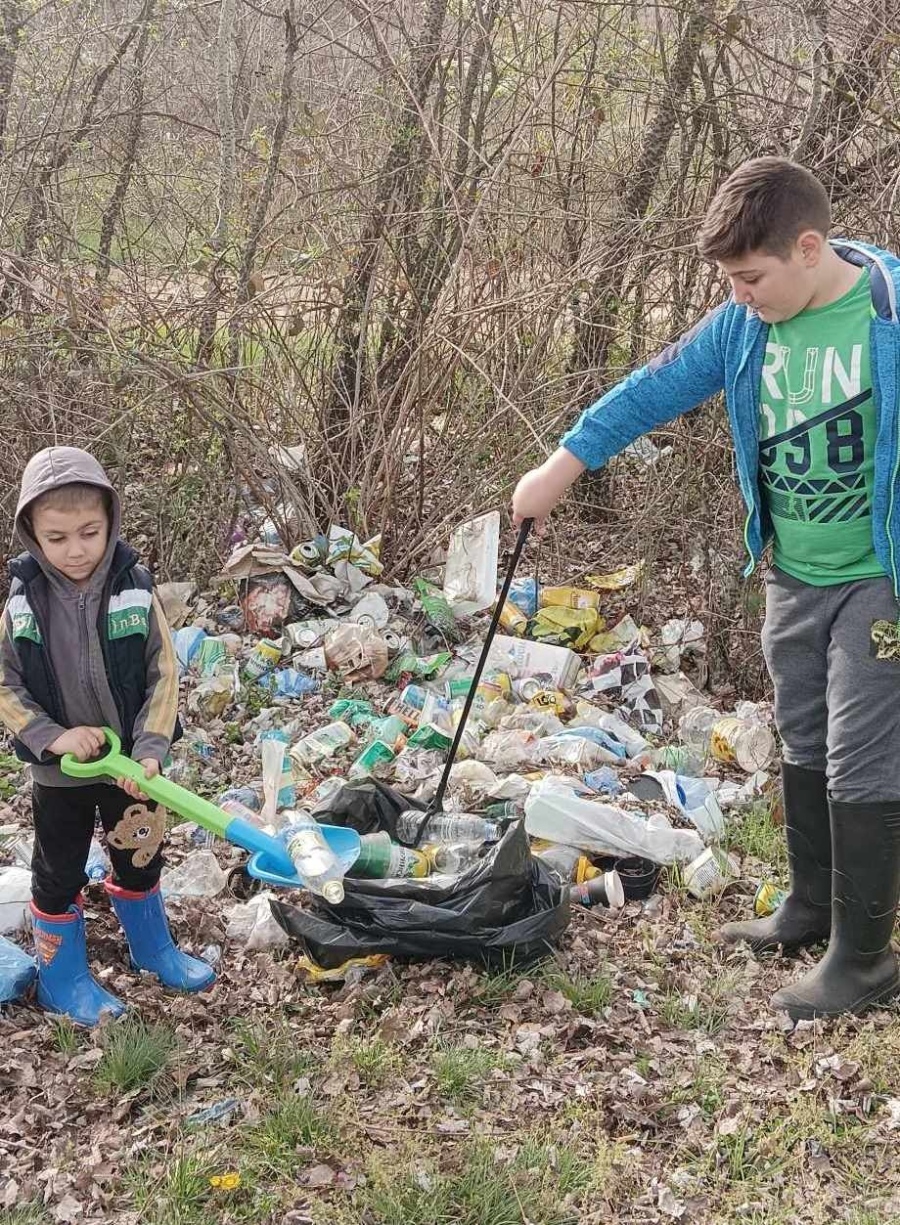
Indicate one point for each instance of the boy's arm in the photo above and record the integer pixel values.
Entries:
(155, 723)
(21, 714)
(675, 381)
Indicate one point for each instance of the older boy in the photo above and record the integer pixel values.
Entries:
(807, 351)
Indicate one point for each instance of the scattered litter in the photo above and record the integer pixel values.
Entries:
(221, 1112)
(319, 694)
(15, 895)
(17, 971)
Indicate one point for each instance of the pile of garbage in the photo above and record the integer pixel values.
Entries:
(588, 763)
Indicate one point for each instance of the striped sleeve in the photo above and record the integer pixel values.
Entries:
(19, 712)
(155, 724)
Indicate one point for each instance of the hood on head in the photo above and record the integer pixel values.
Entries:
(50, 469)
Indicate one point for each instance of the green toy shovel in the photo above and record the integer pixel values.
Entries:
(269, 860)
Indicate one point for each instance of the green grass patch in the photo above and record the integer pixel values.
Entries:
(589, 994)
(752, 832)
(706, 1088)
(706, 1011)
(498, 983)
(272, 1146)
(375, 1061)
(460, 1070)
(173, 1191)
(134, 1054)
(537, 1185)
(64, 1034)
(25, 1214)
(270, 1055)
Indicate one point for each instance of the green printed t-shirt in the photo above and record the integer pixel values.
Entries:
(817, 431)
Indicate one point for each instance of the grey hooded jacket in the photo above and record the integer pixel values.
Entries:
(69, 614)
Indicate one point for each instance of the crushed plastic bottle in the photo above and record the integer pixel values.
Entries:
(452, 858)
(198, 875)
(568, 862)
(97, 867)
(458, 827)
(316, 863)
(747, 743)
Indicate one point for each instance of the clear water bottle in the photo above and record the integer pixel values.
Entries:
(451, 858)
(97, 867)
(461, 827)
(316, 863)
(695, 727)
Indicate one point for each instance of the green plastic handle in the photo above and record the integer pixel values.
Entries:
(178, 799)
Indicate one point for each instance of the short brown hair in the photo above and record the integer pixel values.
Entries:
(73, 496)
(763, 205)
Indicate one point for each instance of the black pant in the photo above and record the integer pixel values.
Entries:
(64, 820)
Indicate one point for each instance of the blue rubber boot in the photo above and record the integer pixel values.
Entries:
(143, 918)
(65, 984)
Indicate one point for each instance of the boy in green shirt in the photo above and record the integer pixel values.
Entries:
(807, 351)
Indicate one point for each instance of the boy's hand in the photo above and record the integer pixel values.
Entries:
(82, 742)
(539, 490)
(150, 767)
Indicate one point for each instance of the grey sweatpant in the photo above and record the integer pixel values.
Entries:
(837, 706)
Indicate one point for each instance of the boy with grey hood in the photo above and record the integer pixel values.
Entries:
(84, 644)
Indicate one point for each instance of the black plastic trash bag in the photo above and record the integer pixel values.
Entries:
(367, 806)
(507, 906)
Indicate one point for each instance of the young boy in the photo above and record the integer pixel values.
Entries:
(807, 351)
(84, 643)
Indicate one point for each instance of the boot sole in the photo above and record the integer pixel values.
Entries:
(788, 949)
(808, 1012)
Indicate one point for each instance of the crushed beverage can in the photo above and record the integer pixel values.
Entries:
(264, 656)
(768, 898)
(526, 688)
(569, 597)
(512, 620)
(554, 701)
(373, 755)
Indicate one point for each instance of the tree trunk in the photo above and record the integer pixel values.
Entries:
(595, 327)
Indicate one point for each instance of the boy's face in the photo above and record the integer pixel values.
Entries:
(74, 541)
(777, 287)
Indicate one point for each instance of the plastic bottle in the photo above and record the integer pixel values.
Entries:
(97, 867)
(747, 742)
(321, 744)
(316, 863)
(695, 727)
(379, 858)
(568, 862)
(458, 827)
(454, 857)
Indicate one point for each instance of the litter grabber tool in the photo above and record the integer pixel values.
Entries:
(269, 859)
(437, 803)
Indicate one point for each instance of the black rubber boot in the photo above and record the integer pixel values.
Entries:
(804, 917)
(860, 968)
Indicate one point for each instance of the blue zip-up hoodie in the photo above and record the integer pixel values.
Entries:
(725, 351)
